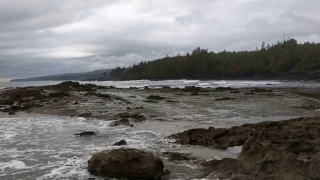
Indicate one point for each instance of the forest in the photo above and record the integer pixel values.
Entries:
(285, 57)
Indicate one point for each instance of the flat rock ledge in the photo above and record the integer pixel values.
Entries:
(126, 163)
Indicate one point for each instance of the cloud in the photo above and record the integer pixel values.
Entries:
(49, 37)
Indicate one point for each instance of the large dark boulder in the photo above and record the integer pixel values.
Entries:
(126, 163)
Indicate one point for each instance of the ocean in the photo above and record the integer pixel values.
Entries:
(44, 147)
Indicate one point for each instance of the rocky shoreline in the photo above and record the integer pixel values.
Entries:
(270, 150)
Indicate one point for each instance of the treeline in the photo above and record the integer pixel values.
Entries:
(283, 57)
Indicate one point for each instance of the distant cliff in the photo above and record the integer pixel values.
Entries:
(102, 74)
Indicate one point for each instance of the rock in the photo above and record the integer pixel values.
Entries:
(140, 107)
(260, 90)
(76, 102)
(150, 101)
(18, 94)
(7, 102)
(11, 113)
(126, 163)
(249, 93)
(220, 138)
(224, 89)
(105, 96)
(86, 133)
(84, 113)
(192, 89)
(166, 88)
(235, 92)
(176, 156)
(123, 121)
(69, 84)
(271, 150)
(128, 108)
(225, 169)
(57, 95)
(217, 138)
(160, 119)
(20, 99)
(155, 97)
(120, 143)
(138, 117)
(15, 107)
(284, 150)
(146, 88)
(166, 172)
(194, 94)
(73, 86)
(315, 95)
(224, 99)
(171, 101)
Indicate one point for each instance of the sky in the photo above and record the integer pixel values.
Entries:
(44, 37)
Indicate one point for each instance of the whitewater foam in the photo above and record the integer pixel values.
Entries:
(13, 164)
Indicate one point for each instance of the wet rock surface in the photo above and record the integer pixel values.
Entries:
(219, 138)
(84, 113)
(137, 117)
(86, 133)
(224, 99)
(271, 150)
(284, 150)
(126, 163)
(225, 169)
(155, 97)
(120, 143)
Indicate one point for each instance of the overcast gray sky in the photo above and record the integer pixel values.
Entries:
(42, 37)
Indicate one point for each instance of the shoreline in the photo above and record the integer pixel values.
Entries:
(316, 80)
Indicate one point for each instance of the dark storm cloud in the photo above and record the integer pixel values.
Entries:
(40, 37)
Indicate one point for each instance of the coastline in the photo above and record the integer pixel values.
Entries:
(175, 109)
